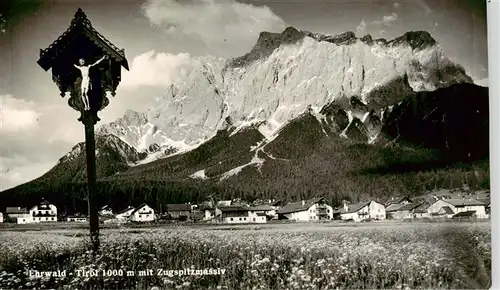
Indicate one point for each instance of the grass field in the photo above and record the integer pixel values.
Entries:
(288, 256)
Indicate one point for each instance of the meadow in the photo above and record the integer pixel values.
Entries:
(289, 256)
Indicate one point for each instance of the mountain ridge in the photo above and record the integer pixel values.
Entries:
(286, 77)
(305, 118)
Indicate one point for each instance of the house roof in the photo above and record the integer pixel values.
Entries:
(465, 213)
(233, 208)
(354, 207)
(127, 209)
(14, 210)
(463, 202)
(300, 206)
(264, 207)
(447, 210)
(397, 199)
(179, 207)
(401, 207)
(104, 207)
(409, 206)
(80, 24)
(421, 208)
(441, 193)
(486, 201)
(394, 207)
(138, 208)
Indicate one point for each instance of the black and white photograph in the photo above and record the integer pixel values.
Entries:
(245, 144)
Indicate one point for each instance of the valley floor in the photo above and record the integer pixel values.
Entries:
(269, 256)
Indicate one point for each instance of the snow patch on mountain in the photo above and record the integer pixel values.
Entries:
(76, 151)
(256, 161)
(199, 175)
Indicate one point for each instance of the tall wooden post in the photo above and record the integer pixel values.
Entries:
(68, 57)
(89, 122)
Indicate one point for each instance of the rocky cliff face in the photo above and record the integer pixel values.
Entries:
(346, 81)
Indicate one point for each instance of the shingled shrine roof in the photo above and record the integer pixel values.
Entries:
(80, 23)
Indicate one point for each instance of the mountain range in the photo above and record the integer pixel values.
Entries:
(300, 115)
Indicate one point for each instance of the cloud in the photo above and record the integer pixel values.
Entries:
(17, 115)
(435, 26)
(387, 20)
(213, 23)
(12, 173)
(361, 28)
(34, 137)
(156, 69)
(424, 6)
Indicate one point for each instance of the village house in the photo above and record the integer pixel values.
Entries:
(314, 209)
(1, 217)
(106, 211)
(179, 211)
(487, 203)
(370, 210)
(445, 211)
(77, 218)
(420, 211)
(24, 219)
(208, 212)
(125, 214)
(266, 210)
(143, 213)
(398, 211)
(16, 212)
(456, 206)
(236, 214)
(44, 212)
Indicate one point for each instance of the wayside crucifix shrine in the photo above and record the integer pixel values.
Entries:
(86, 68)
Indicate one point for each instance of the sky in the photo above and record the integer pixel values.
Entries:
(37, 127)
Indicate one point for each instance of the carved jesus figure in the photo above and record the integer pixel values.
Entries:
(86, 84)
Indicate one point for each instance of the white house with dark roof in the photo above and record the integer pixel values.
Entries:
(457, 206)
(315, 209)
(265, 209)
(19, 214)
(369, 210)
(179, 211)
(143, 213)
(16, 212)
(238, 214)
(43, 212)
(125, 214)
